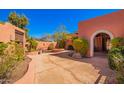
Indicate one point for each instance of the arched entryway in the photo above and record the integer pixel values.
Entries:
(100, 41)
(70, 47)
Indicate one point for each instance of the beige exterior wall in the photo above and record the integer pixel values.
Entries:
(7, 33)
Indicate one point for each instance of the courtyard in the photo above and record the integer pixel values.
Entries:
(92, 54)
(59, 68)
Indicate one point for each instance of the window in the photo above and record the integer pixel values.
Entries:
(19, 36)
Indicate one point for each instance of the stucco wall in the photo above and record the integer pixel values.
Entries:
(113, 23)
(45, 45)
(7, 33)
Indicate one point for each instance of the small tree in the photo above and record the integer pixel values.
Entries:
(80, 46)
(61, 43)
(32, 44)
(77, 43)
(51, 46)
(60, 36)
(20, 21)
(26, 33)
(13, 18)
(48, 38)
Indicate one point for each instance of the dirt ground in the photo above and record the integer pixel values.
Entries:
(19, 70)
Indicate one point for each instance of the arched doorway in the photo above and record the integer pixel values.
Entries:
(70, 47)
(99, 41)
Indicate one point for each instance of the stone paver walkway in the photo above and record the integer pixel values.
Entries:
(61, 69)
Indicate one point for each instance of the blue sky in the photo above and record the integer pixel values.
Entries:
(43, 22)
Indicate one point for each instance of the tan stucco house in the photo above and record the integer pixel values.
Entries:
(9, 32)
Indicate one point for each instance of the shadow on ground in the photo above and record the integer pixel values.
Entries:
(99, 62)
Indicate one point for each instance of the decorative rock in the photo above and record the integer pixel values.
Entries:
(71, 53)
(76, 55)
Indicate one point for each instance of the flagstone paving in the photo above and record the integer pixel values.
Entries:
(59, 68)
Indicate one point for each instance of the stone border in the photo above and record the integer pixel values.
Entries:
(28, 78)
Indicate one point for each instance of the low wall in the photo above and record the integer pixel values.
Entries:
(44, 45)
(32, 53)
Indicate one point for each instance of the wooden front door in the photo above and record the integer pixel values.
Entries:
(100, 42)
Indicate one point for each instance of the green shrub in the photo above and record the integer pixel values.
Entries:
(116, 42)
(51, 46)
(120, 73)
(19, 52)
(73, 38)
(13, 54)
(80, 46)
(7, 66)
(32, 44)
(77, 43)
(3, 46)
(61, 43)
(15, 50)
(115, 57)
(116, 62)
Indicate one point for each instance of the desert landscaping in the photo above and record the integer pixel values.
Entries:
(91, 55)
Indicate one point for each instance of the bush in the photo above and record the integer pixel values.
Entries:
(120, 73)
(61, 43)
(116, 42)
(19, 52)
(15, 50)
(116, 62)
(13, 54)
(3, 46)
(32, 44)
(7, 66)
(51, 46)
(115, 56)
(73, 38)
(81, 46)
(77, 43)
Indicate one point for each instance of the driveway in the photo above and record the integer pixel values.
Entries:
(59, 68)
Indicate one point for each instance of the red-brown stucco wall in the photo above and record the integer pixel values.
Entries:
(113, 23)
